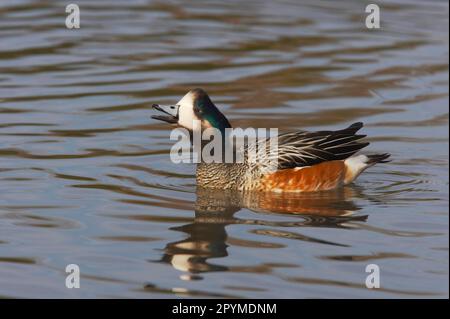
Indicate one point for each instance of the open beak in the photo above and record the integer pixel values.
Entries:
(170, 110)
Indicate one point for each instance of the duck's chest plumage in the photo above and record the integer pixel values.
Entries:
(224, 175)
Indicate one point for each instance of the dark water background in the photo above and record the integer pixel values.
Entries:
(85, 175)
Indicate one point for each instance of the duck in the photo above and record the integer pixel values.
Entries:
(306, 161)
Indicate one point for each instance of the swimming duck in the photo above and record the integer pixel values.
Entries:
(306, 161)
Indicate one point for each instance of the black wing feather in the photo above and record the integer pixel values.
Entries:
(310, 148)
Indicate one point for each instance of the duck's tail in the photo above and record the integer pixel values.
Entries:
(355, 165)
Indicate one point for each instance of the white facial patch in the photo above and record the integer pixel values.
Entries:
(186, 114)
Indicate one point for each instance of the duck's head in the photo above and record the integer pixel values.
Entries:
(194, 106)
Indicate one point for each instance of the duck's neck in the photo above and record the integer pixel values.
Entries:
(220, 175)
(220, 123)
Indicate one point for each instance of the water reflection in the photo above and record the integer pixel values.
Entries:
(206, 236)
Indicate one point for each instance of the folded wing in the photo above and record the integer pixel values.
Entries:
(304, 148)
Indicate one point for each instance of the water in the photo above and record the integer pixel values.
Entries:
(85, 175)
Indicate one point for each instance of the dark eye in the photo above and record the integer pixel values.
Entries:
(197, 110)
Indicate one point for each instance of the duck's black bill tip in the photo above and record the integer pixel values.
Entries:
(157, 107)
(165, 118)
(171, 113)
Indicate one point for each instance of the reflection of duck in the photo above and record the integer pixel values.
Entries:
(206, 240)
(214, 210)
(329, 203)
(206, 235)
(291, 162)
